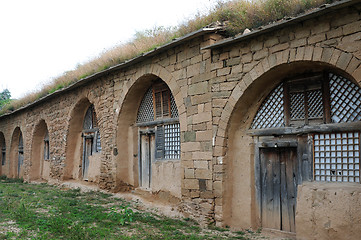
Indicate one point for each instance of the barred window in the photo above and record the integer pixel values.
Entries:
(172, 141)
(158, 109)
(90, 126)
(46, 147)
(314, 99)
(337, 157)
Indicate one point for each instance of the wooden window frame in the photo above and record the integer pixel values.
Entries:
(302, 82)
(161, 88)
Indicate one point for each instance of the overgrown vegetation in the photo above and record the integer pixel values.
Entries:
(237, 15)
(40, 211)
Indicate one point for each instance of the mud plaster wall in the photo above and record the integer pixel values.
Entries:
(328, 211)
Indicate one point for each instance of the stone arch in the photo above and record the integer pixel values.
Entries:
(40, 162)
(339, 61)
(74, 142)
(236, 119)
(17, 154)
(126, 151)
(2, 153)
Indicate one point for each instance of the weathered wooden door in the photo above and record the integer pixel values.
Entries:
(147, 147)
(88, 151)
(278, 188)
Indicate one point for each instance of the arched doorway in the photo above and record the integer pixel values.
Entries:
(307, 129)
(17, 154)
(83, 144)
(40, 155)
(148, 138)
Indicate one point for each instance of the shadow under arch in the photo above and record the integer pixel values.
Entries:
(74, 140)
(16, 154)
(239, 149)
(39, 160)
(127, 153)
(2, 153)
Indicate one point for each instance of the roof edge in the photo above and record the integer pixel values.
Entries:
(321, 10)
(141, 57)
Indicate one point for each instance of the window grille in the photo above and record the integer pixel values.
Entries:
(145, 112)
(90, 119)
(315, 104)
(98, 147)
(297, 106)
(345, 100)
(271, 113)
(172, 141)
(21, 144)
(46, 147)
(337, 157)
(3, 155)
(173, 107)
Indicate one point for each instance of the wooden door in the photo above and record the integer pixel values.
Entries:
(147, 153)
(278, 188)
(88, 151)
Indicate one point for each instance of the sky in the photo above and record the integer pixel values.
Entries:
(42, 39)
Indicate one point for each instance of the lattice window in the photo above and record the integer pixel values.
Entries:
(345, 99)
(297, 106)
(337, 157)
(90, 119)
(172, 141)
(3, 156)
(98, 146)
(271, 112)
(315, 104)
(21, 144)
(145, 112)
(46, 147)
(173, 107)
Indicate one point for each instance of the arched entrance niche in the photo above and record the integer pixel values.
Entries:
(281, 149)
(40, 153)
(17, 154)
(83, 151)
(148, 138)
(2, 154)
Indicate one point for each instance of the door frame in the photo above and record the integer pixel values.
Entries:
(269, 142)
(142, 132)
(85, 136)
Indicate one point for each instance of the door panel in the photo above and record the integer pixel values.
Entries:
(278, 187)
(147, 148)
(88, 151)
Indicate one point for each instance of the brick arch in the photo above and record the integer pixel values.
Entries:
(125, 117)
(37, 168)
(73, 150)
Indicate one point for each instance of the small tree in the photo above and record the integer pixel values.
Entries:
(5, 96)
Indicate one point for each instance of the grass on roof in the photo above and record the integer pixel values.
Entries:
(237, 15)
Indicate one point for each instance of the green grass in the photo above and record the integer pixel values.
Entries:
(41, 211)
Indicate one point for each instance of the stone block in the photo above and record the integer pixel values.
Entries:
(201, 164)
(189, 173)
(202, 155)
(204, 135)
(198, 88)
(191, 184)
(202, 117)
(203, 173)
